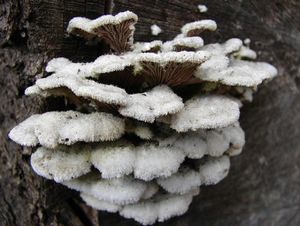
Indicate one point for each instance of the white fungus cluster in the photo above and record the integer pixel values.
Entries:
(148, 123)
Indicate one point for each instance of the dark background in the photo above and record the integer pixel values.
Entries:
(263, 186)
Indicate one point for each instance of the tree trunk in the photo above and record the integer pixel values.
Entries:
(264, 181)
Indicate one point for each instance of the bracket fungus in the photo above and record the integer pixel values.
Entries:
(170, 68)
(144, 47)
(116, 31)
(53, 128)
(206, 112)
(147, 106)
(183, 44)
(137, 139)
(197, 27)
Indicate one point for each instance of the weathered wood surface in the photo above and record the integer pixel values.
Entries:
(263, 187)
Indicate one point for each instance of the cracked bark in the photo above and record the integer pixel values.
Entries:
(263, 184)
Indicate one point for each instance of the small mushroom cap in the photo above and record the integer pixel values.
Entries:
(40, 129)
(114, 160)
(217, 143)
(61, 165)
(192, 144)
(245, 53)
(161, 100)
(178, 57)
(214, 170)
(202, 8)
(233, 72)
(53, 128)
(103, 64)
(119, 191)
(195, 145)
(175, 205)
(144, 213)
(100, 204)
(236, 136)
(153, 161)
(170, 68)
(64, 67)
(159, 209)
(211, 69)
(117, 19)
(88, 25)
(155, 30)
(111, 63)
(230, 46)
(111, 207)
(142, 47)
(57, 64)
(92, 127)
(181, 182)
(194, 28)
(206, 112)
(81, 87)
(81, 23)
(183, 43)
(117, 31)
(23, 133)
(237, 73)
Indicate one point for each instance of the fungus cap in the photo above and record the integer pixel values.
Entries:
(147, 106)
(53, 128)
(206, 112)
(195, 28)
(61, 165)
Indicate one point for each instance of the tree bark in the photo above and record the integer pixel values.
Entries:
(264, 181)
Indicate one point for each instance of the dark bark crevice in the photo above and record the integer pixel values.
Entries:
(80, 213)
(108, 6)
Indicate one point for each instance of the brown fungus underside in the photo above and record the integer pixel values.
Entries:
(171, 74)
(117, 36)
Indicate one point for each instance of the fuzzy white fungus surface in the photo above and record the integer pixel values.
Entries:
(202, 8)
(214, 170)
(206, 112)
(155, 30)
(89, 25)
(153, 161)
(209, 25)
(119, 191)
(194, 43)
(61, 165)
(147, 106)
(53, 128)
(114, 160)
